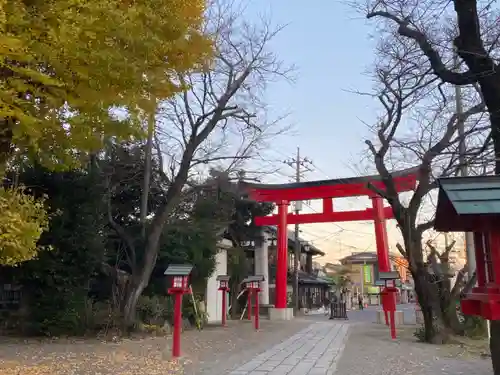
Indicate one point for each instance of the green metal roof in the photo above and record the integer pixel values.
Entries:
(178, 270)
(472, 195)
(468, 204)
(251, 279)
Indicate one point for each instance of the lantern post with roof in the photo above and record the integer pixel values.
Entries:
(389, 291)
(252, 284)
(224, 288)
(179, 274)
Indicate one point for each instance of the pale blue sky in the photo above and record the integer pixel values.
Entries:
(330, 45)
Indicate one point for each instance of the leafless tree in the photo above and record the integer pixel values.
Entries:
(418, 127)
(219, 121)
(472, 27)
(440, 269)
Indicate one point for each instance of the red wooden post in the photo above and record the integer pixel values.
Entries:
(256, 309)
(180, 285)
(393, 325)
(224, 312)
(382, 247)
(176, 346)
(249, 303)
(479, 252)
(282, 256)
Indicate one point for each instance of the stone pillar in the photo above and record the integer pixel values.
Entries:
(262, 265)
(213, 296)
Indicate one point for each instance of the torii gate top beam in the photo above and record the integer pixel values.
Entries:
(405, 180)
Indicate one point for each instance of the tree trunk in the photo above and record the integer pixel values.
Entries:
(5, 143)
(495, 134)
(130, 304)
(422, 291)
(147, 173)
(495, 345)
(490, 88)
(234, 301)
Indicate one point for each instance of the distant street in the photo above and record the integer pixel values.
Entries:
(369, 314)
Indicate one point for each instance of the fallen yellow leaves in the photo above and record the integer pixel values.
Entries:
(118, 362)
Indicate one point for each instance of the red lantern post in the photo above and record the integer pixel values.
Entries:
(180, 285)
(389, 293)
(252, 284)
(224, 288)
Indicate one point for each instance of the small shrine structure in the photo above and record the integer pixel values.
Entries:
(472, 204)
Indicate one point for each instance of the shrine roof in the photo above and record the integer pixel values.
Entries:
(468, 203)
(364, 257)
(310, 279)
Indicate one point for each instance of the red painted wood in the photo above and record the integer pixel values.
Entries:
(268, 194)
(176, 336)
(328, 205)
(282, 257)
(321, 217)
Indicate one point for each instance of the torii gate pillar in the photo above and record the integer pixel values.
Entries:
(282, 257)
(382, 247)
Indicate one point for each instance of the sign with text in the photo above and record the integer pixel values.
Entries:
(367, 274)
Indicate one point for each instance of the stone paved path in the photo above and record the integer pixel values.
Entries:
(313, 351)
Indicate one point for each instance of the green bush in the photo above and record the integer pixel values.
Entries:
(475, 327)
(64, 314)
(155, 309)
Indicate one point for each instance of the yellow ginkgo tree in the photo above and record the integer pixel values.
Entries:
(22, 222)
(72, 72)
(65, 65)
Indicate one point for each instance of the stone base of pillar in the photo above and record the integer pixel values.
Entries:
(264, 309)
(399, 317)
(280, 314)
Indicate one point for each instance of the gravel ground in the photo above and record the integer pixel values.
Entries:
(218, 350)
(211, 351)
(371, 350)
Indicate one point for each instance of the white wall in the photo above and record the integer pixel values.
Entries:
(262, 267)
(212, 295)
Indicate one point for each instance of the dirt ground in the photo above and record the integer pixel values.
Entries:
(370, 348)
(213, 349)
(217, 350)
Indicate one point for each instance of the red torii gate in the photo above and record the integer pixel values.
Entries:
(283, 194)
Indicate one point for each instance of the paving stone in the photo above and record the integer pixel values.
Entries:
(317, 371)
(250, 366)
(291, 361)
(282, 369)
(309, 352)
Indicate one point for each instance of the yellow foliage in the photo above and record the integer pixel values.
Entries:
(64, 64)
(22, 222)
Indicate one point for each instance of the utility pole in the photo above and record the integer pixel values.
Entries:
(469, 237)
(301, 165)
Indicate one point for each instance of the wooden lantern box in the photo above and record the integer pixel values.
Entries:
(472, 204)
